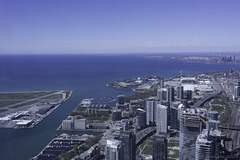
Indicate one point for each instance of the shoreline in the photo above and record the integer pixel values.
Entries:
(43, 116)
(53, 109)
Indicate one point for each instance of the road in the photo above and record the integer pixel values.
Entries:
(144, 133)
(235, 135)
(217, 91)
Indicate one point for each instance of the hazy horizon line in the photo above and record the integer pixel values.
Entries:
(130, 53)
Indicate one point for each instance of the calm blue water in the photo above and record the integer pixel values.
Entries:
(86, 76)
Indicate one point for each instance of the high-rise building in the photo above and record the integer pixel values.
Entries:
(159, 147)
(133, 105)
(189, 95)
(141, 119)
(212, 115)
(121, 99)
(149, 111)
(155, 104)
(236, 93)
(180, 92)
(181, 108)
(113, 150)
(162, 119)
(162, 94)
(171, 93)
(121, 102)
(166, 94)
(190, 128)
(128, 145)
(161, 82)
(213, 122)
(203, 148)
(116, 115)
(151, 107)
(174, 121)
(208, 145)
(165, 103)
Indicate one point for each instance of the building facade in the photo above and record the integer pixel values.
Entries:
(151, 107)
(190, 128)
(113, 150)
(128, 145)
(180, 92)
(159, 147)
(162, 119)
(141, 119)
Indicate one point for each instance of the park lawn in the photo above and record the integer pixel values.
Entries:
(148, 150)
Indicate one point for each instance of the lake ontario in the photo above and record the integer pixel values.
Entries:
(86, 76)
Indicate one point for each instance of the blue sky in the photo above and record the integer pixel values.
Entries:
(119, 26)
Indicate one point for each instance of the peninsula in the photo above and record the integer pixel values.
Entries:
(27, 109)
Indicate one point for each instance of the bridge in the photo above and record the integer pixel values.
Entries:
(205, 99)
(233, 127)
(141, 135)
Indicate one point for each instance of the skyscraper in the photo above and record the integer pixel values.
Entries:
(171, 93)
(180, 92)
(128, 145)
(121, 102)
(212, 115)
(141, 119)
(151, 107)
(121, 99)
(113, 150)
(190, 128)
(159, 147)
(161, 82)
(174, 122)
(162, 119)
(189, 95)
(213, 122)
(208, 145)
(236, 92)
(162, 94)
(149, 111)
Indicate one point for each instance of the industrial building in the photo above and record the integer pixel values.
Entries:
(73, 123)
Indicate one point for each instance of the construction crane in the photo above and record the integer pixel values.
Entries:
(202, 120)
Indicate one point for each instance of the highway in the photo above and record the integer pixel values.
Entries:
(144, 133)
(206, 98)
(235, 123)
